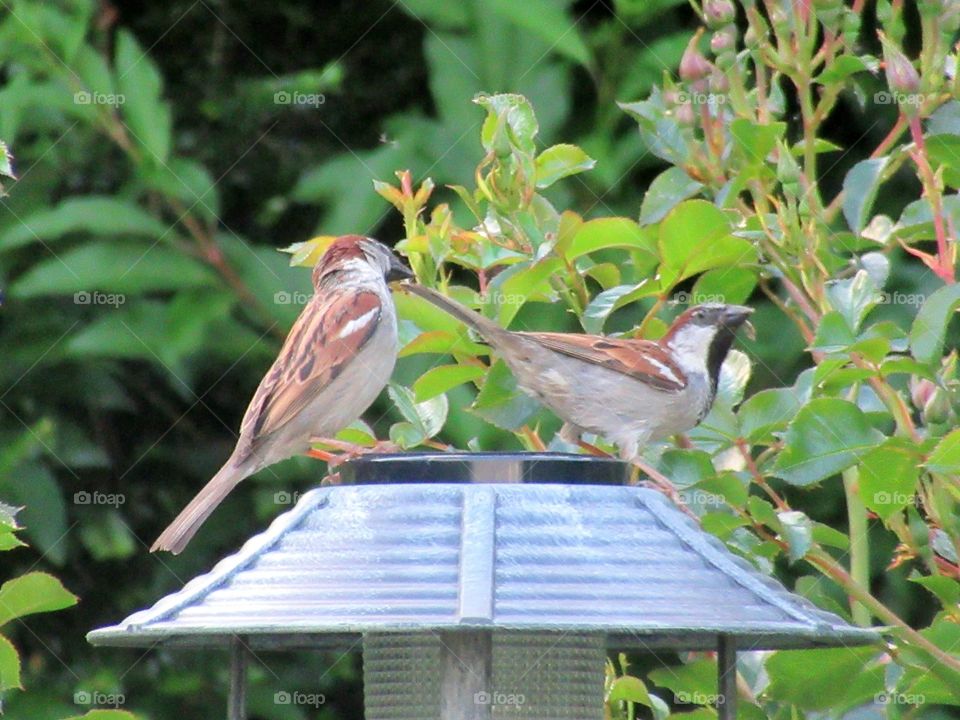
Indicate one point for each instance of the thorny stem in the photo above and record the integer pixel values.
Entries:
(944, 266)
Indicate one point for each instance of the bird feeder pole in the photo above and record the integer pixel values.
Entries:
(726, 678)
(467, 668)
(237, 704)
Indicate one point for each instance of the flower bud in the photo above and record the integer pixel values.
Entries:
(718, 13)
(937, 409)
(693, 65)
(724, 39)
(921, 390)
(902, 76)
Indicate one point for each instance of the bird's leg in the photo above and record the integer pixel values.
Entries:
(593, 449)
(344, 451)
(570, 433)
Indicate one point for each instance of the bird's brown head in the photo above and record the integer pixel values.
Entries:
(347, 250)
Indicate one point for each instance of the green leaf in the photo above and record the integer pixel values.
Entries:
(694, 237)
(547, 20)
(798, 532)
(105, 715)
(146, 115)
(766, 412)
(833, 334)
(860, 189)
(34, 592)
(854, 298)
(731, 285)
(560, 161)
(424, 419)
(614, 232)
(513, 287)
(946, 589)
(697, 679)
(44, 515)
(92, 214)
(755, 141)
(944, 151)
(888, 477)
(443, 342)
(930, 326)
(842, 68)
(511, 114)
(808, 678)
(604, 304)
(667, 190)
(628, 688)
(439, 379)
(112, 268)
(9, 666)
(826, 436)
(945, 457)
(500, 403)
(187, 181)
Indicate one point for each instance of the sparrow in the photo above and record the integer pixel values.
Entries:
(336, 359)
(629, 391)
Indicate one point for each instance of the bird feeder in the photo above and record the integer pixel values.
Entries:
(484, 586)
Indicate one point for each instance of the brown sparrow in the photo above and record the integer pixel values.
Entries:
(337, 358)
(629, 391)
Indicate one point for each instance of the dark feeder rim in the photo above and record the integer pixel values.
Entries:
(484, 467)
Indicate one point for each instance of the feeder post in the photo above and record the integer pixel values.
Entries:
(466, 672)
(726, 677)
(237, 702)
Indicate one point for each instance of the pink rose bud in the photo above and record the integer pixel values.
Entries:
(693, 65)
(902, 76)
(718, 12)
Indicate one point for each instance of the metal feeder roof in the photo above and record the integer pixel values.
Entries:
(446, 542)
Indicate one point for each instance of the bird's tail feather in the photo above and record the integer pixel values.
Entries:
(186, 524)
(487, 328)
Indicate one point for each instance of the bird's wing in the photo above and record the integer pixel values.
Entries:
(640, 359)
(328, 334)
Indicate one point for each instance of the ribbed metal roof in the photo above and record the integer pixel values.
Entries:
(433, 556)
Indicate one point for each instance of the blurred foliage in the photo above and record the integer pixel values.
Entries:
(760, 153)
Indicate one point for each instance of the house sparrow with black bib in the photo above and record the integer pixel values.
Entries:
(335, 361)
(629, 391)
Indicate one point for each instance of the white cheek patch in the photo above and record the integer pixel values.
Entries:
(358, 323)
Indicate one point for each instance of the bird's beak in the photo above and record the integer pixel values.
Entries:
(398, 271)
(736, 315)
